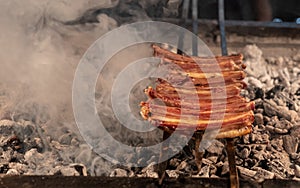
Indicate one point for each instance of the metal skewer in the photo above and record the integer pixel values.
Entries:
(234, 183)
(198, 135)
(234, 180)
(195, 26)
(222, 27)
(184, 16)
(166, 134)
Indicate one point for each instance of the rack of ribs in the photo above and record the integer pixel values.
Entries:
(216, 83)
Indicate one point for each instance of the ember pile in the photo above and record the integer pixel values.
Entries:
(209, 91)
(271, 151)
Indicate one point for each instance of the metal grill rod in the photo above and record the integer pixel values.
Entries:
(163, 164)
(222, 27)
(195, 26)
(184, 16)
(234, 183)
(234, 180)
(241, 23)
(198, 136)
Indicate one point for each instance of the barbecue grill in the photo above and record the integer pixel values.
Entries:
(167, 127)
(246, 29)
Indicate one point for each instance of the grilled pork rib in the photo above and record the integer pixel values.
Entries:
(215, 90)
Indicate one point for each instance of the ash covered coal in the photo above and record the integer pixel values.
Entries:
(43, 44)
(40, 54)
(272, 150)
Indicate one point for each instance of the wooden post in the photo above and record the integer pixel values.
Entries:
(198, 155)
(234, 181)
(162, 166)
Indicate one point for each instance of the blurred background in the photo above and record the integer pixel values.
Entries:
(260, 10)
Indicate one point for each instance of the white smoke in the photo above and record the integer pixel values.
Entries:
(39, 53)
